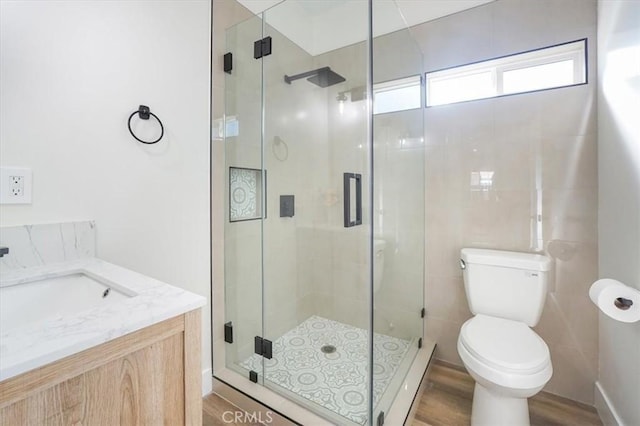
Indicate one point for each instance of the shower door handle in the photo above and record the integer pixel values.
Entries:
(356, 179)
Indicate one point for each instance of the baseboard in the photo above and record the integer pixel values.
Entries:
(207, 381)
(606, 410)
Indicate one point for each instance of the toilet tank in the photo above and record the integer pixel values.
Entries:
(505, 284)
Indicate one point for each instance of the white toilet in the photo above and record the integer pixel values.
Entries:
(506, 292)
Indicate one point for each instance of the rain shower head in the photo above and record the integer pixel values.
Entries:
(326, 77)
(323, 77)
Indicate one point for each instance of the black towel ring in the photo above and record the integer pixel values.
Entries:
(144, 112)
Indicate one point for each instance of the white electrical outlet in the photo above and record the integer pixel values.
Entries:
(15, 185)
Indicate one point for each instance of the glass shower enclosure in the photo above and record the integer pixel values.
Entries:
(324, 226)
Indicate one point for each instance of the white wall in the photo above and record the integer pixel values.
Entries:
(619, 199)
(71, 73)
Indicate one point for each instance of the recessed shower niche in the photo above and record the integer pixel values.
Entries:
(245, 194)
(324, 306)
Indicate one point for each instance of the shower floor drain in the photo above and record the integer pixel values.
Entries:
(328, 349)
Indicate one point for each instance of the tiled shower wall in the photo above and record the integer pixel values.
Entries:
(543, 197)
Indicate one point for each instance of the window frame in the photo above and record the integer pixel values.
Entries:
(580, 58)
(399, 83)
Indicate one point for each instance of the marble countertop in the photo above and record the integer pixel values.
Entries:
(33, 345)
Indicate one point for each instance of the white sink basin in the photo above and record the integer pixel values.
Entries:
(49, 297)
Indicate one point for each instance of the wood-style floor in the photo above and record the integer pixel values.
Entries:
(215, 410)
(447, 402)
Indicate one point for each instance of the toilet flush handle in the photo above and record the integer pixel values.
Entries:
(463, 265)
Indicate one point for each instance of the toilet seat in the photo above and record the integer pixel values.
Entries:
(505, 352)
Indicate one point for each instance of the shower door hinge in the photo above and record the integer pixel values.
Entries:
(253, 376)
(262, 48)
(228, 62)
(420, 343)
(263, 347)
(228, 332)
(423, 312)
(380, 421)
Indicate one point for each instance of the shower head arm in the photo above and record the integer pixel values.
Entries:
(289, 79)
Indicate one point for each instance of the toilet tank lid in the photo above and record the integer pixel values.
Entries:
(507, 259)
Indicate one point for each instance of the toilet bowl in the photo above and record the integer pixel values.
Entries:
(507, 359)
(509, 363)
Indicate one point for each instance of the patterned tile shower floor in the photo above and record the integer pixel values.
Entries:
(337, 381)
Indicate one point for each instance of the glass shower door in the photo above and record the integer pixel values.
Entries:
(316, 237)
(398, 204)
(245, 183)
